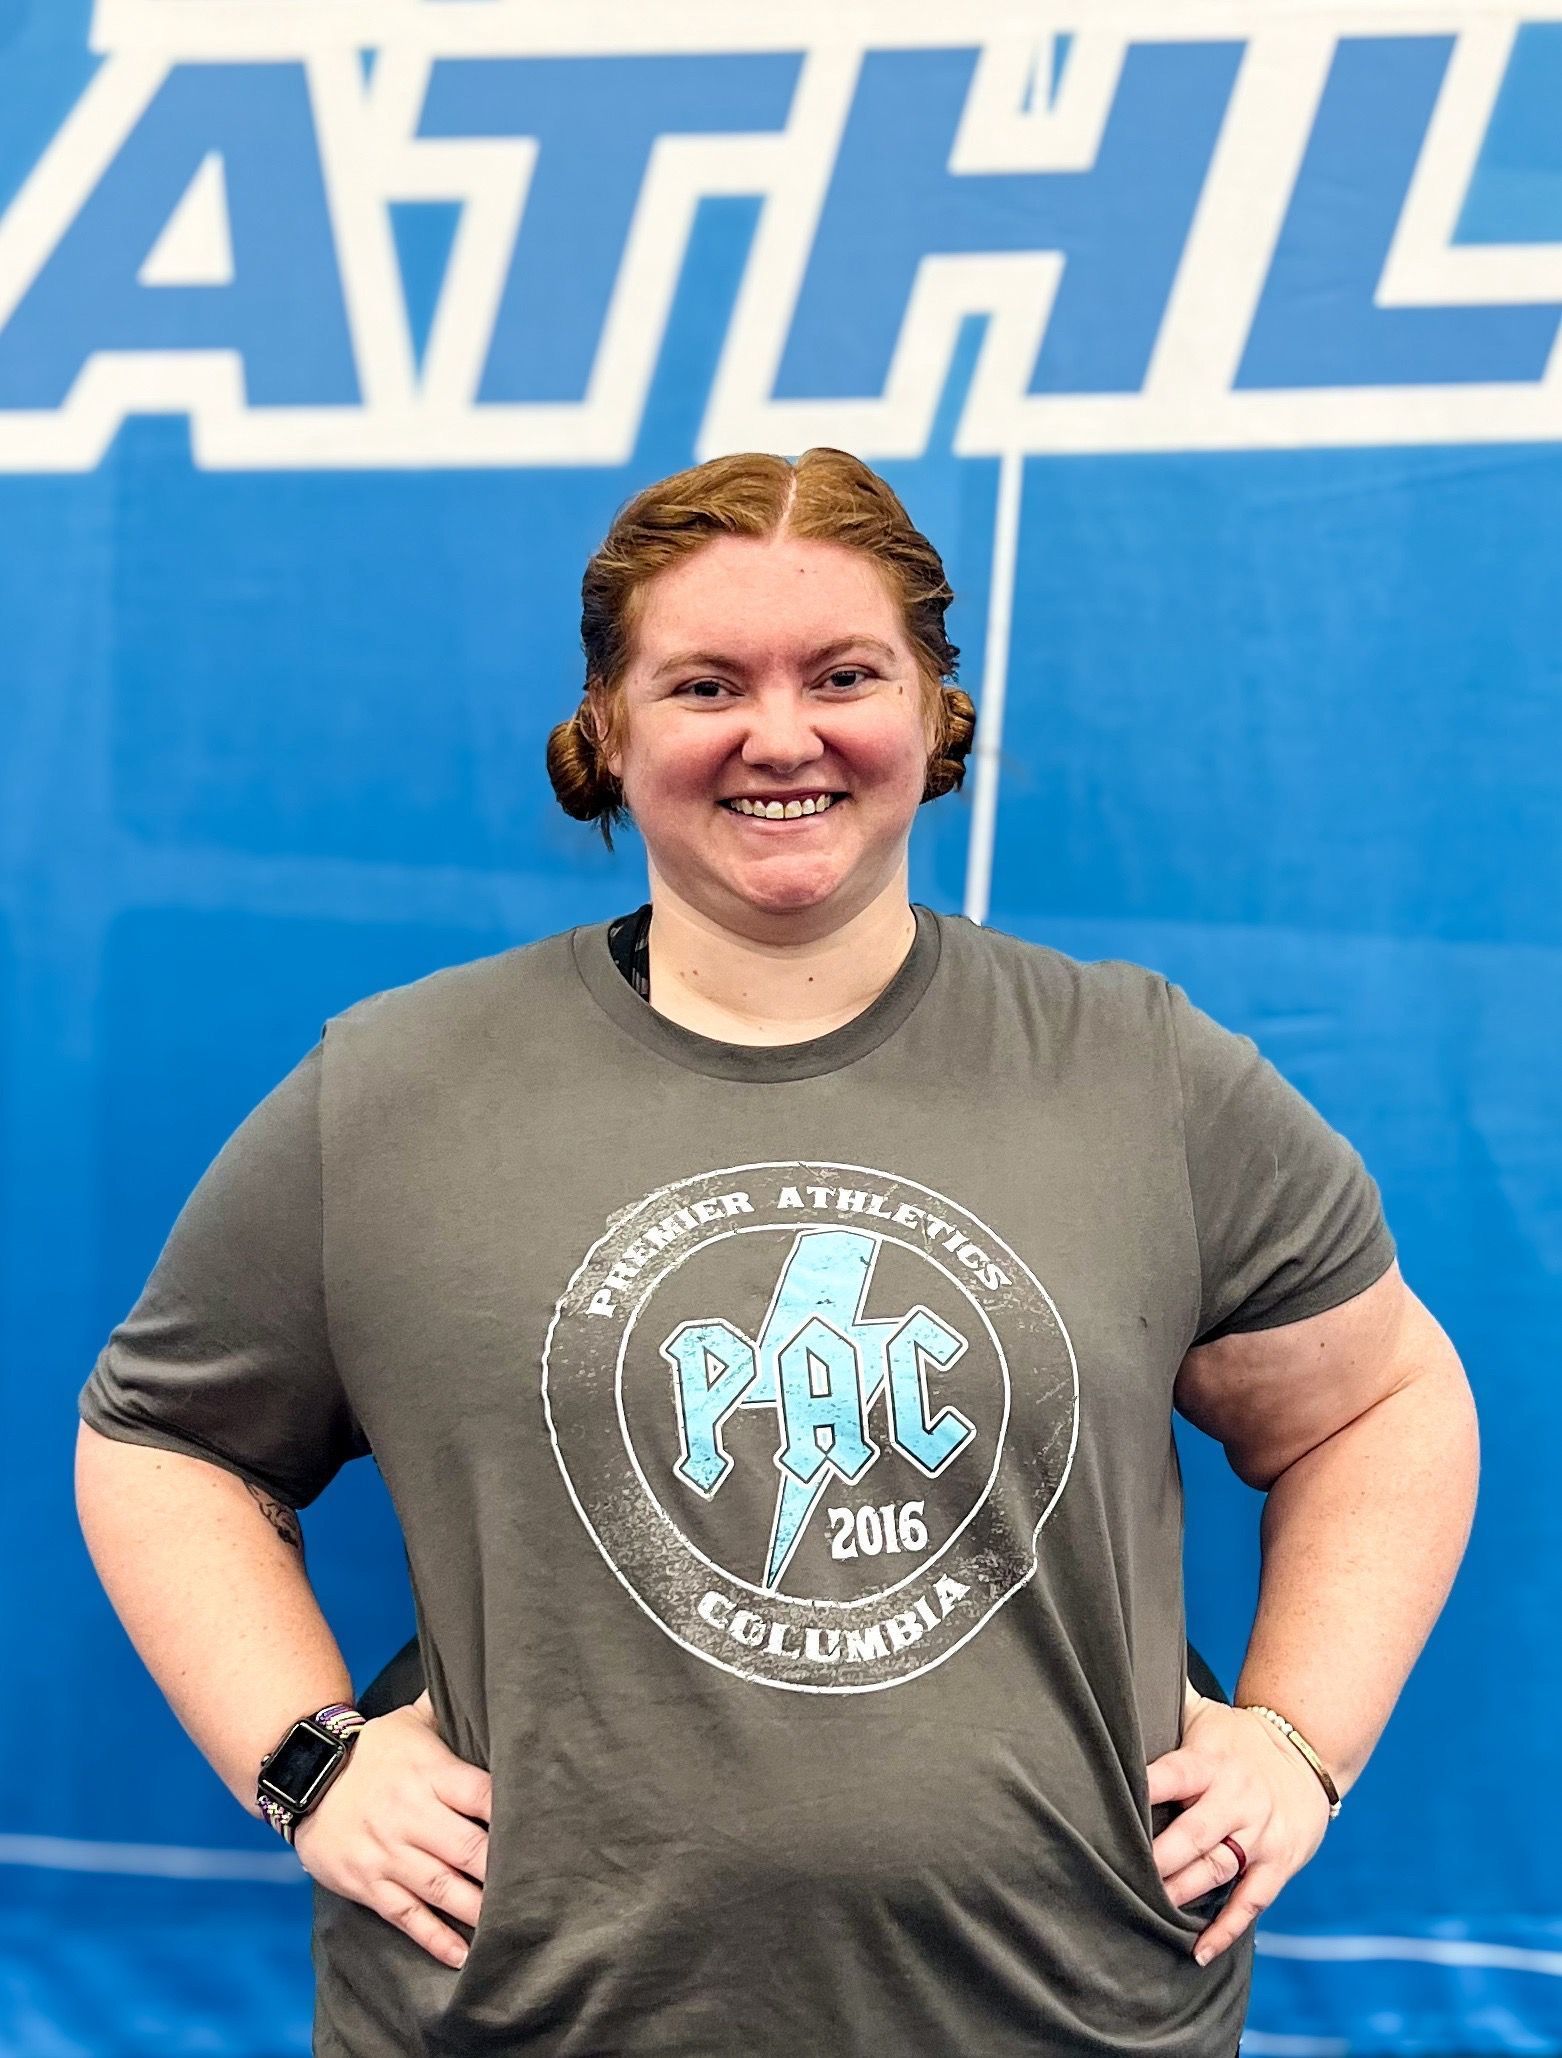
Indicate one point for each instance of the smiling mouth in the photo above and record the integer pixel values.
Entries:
(781, 810)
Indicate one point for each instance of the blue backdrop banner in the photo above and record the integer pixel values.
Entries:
(1217, 350)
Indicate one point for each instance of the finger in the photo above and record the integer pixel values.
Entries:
(462, 1845)
(439, 1885)
(466, 1788)
(1214, 1869)
(1197, 1831)
(406, 1912)
(1180, 1775)
(1247, 1903)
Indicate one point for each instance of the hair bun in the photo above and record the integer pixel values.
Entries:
(957, 729)
(582, 784)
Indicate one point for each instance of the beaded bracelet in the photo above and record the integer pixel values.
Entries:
(1289, 1729)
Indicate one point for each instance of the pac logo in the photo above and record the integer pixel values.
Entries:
(814, 1417)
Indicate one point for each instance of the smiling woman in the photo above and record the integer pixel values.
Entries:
(827, 497)
(769, 694)
(768, 1312)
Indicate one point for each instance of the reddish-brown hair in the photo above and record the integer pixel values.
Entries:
(826, 496)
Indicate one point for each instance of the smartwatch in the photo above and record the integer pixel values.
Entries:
(295, 1775)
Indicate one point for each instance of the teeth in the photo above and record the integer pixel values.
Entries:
(781, 811)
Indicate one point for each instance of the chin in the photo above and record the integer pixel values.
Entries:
(780, 895)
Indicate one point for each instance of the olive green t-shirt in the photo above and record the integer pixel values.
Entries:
(782, 1443)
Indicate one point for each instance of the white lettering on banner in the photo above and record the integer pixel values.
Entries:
(1175, 279)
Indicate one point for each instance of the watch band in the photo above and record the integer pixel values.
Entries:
(340, 1721)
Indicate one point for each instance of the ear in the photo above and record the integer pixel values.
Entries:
(932, 717)
(593, 719)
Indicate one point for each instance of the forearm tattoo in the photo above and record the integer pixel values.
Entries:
(284, 1520)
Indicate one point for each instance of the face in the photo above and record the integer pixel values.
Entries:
(773, 670)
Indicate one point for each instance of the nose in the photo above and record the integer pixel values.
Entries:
(780, 733)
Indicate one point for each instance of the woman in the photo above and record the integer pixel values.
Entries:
(771, 1356)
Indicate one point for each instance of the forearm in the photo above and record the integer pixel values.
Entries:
(1361, 1538)
(208, 1579)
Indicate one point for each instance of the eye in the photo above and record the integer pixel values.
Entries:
(850, 674)
(702, 689)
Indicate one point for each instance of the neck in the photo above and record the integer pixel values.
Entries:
(743, 989)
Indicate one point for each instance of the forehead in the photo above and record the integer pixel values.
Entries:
(754, 598)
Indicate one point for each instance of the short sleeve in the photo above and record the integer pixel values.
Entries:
(225, 1355)
(1288, 1219)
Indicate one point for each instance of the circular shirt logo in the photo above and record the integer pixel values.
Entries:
(813, 1416)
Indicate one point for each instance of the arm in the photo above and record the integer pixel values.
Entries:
(1360, 1424)
(227, 1351)
(206, 1573)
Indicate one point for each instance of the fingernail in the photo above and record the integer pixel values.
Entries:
(462, 1960)
(1201, 1956)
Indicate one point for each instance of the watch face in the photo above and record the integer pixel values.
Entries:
(303, 1757)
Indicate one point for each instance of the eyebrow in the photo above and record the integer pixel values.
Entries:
(694, 659)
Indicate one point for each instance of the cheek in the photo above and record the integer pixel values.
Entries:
(892, 752)
(666, 773)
